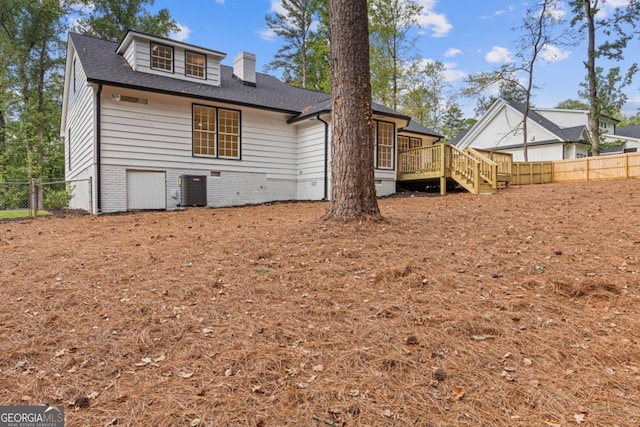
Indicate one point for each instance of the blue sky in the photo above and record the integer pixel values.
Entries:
(467, 36)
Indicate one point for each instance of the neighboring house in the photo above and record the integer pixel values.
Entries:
(624, 140)
(553, 134)
(160, 124)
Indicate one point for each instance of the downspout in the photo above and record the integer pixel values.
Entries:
(326, 158)
(98, 160)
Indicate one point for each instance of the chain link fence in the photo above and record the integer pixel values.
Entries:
(30, 199)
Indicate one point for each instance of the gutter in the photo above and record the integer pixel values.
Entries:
(326, 157)
(98, 158)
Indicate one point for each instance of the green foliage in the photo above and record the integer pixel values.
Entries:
(392, 50)
(57, 199)
(111, 19)
(34, 54)
(630, 121)
(611, 85)
(429, 99)
(303, 57)
(572, 104)
(503, 78)
(608, 36)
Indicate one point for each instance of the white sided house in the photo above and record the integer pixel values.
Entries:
(551, 134)
(161, 124)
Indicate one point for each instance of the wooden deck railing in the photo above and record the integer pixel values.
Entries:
(473, 170)
(488, 168)
(503, 160)
(421, 160)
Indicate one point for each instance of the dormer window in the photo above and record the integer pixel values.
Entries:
(195, 65)
(161, 57)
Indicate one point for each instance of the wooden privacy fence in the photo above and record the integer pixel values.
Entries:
(585, 169)
(596, 168)
(525, 173)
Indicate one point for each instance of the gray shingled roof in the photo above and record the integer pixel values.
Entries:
(629, 131)
(459, 137)
(572, 134)
(103, 65)
(418, 128)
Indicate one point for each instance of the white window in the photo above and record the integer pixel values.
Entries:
(216, 132)
(195, 65)
(161, 57)
(384, 145)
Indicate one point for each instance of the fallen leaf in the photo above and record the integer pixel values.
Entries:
(458, 393)
(527, 362)
(318, 368)
(159, 358)
(579, 418)
(185, 374)
(387, 413)
(195, 422)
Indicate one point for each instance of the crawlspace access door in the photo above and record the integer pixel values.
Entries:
(146, 190)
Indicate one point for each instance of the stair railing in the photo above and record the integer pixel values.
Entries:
(464, 169)
(488, 168)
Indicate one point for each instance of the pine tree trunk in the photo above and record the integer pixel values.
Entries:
(352, 138)
(591, 78)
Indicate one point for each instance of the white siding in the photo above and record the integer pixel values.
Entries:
(158, 136)
(310, 160)
(80, 149)
(566, 118)
(505, 129)
(130, 55)
(540, 153)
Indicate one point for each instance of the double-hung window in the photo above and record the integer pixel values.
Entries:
(161, 57)
(194, 65)
(384, 145)
(216, 132)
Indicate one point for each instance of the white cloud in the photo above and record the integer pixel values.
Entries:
(551, 53)
(182, 34)
(452, 73)
(452, 52)
(437, 22)
(276, 7)
(267, 34)
(618, 3)
(632, 106)
(498, 54)
(500, 12)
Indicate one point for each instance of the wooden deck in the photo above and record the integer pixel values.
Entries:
(478, 171)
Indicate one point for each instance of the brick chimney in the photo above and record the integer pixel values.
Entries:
(244, 68)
